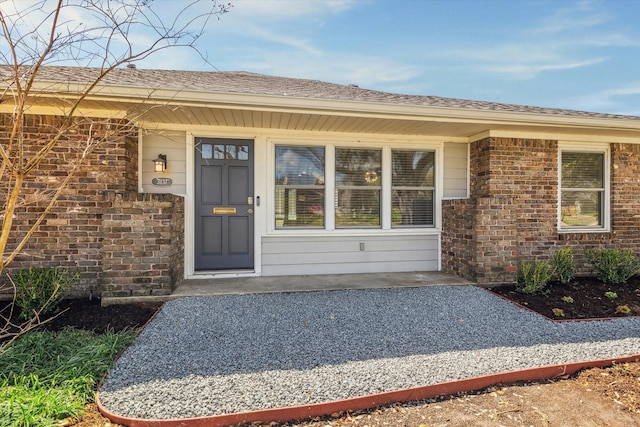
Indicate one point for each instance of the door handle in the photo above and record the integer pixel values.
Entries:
(249, 211)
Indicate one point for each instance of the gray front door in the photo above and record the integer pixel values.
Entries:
(224, 204)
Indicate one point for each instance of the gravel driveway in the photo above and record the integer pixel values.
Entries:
(206, 356)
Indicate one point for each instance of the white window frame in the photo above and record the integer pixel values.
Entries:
(334, 196)
(330, 147)
(604, 149)
(431, 188)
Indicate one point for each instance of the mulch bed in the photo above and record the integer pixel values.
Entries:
(583, 298)
(587, 294)
(82, 313)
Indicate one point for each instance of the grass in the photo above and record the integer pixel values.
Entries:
(49, 376)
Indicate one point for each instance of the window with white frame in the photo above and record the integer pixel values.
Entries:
(413, 188)
(370, 188)
(584, 190)
(358, 187)
(299, 185)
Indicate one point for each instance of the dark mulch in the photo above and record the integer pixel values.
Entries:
(83, 313)
(587, 294)
(90, 315)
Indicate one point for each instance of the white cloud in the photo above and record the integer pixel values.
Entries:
(567, 39)
(366, 71)
(287, 10)
(531, 70)
(581, 15)
(610, 100)
(282, 39)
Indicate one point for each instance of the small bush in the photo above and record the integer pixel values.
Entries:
(612, 265)
(623, 309)
(532, 278)
(41, 289)
(564, 266)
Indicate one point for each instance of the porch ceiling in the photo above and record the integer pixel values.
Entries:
(373, 123)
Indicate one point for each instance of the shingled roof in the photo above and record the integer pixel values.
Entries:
(243, 82)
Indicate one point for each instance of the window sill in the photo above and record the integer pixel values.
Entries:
(354, 232)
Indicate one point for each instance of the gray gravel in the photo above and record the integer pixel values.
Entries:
(225, 354)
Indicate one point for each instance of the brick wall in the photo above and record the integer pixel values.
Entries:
(73, 235)
(512, 210)
(70, 236)
(141, 248)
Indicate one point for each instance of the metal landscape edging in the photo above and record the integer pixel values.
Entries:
(369, 401)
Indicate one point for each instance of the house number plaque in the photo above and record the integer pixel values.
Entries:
(162, 182)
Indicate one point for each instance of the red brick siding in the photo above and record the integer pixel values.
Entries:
(513, 206)
(141, 253)
(72, 234)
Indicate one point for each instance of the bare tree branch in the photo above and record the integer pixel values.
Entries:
(45, 33)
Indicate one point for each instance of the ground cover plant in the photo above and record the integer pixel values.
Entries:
(49, 376)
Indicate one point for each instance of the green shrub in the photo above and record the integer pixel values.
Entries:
(532, 278)
(564, 267)
(41, 289)
(612, 265)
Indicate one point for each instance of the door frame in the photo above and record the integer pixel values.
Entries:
(260, 185)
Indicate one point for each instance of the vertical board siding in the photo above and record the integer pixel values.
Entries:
(282, 256)
(456, 160)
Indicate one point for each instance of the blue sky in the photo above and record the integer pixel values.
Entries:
(567, 54)
(576, 54)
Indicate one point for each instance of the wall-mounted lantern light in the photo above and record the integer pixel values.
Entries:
(160, 164)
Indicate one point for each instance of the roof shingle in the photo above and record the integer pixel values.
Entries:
(243, 82)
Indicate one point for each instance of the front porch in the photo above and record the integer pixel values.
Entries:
(277, 284)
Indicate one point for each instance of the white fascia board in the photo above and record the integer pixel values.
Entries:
(49, 110)
(284, 103)
(577, 137)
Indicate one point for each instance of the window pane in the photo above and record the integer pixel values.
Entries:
(582, 170)
(218, 152)
(412, 188)
(299, 207)
(356, 167)
(412, 207)
(581, 208)
(358, 187)
(243, 152)
(299, 198)
(358, 207)
(299, 166)
(413, 168)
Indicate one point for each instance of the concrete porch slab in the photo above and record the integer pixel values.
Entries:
(275, 284)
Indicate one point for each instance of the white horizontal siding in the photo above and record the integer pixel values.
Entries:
(286, 255)
(172, 144)
(455, 174)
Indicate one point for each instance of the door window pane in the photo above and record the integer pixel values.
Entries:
(358, 187)
(218, 152)
(299, 198)
(207, 151)
(412, 191)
